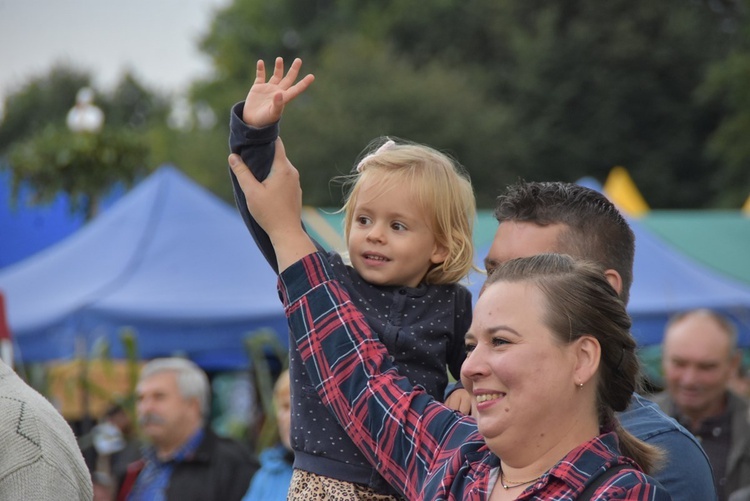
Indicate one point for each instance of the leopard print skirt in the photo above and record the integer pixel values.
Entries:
(306, 486)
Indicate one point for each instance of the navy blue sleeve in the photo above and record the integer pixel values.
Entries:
(686, 473)
(257, 148)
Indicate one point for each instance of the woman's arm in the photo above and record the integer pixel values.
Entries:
(276, 205)
(404, 432)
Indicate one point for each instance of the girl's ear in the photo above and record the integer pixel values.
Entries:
(439, 254)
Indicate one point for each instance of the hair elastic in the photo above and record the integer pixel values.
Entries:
(384, 147)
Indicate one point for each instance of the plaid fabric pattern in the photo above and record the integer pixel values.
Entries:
(421, 447)
(153, 481)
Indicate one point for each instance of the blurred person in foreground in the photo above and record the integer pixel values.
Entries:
(699, 357)
(186, 460)
(40, 460)
(271, 482)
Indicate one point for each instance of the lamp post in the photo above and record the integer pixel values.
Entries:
(85, 116)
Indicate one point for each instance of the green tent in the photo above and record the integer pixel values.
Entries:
(717, 238)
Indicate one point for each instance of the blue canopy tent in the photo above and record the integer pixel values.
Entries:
(169, 260)
(665, 282)
(27, 228)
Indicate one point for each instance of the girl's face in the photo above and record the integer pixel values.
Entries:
(390, 241)
(520, 376)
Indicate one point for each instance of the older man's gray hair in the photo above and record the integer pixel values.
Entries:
(192, 381)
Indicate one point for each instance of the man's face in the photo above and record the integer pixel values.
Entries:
(697, 363)
(514, 239)
(166, 418)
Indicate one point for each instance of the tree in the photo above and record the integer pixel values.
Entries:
(727, 85)
(559, 90)
(83, 165)
(42, 101)
(590, 85)
(134, 106)
(46, 155)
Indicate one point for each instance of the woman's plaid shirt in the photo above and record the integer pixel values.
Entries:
(421, 447)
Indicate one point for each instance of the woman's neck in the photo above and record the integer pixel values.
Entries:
(524, 462)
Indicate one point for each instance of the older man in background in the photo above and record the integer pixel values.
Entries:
(186, 460)
(699, 357)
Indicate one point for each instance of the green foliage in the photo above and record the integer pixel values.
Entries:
(43, 100)
(260, 345)
(365, 91)
(42, 152)
(199, 153)
(514, 88)
(132, 105)
(727, 84)
(84, 165)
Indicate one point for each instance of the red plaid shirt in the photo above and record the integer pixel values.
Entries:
(421, 447)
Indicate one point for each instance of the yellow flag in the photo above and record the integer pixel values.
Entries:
(746, 206)
(623, 192)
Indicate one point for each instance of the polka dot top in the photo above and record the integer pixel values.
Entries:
(423, 329)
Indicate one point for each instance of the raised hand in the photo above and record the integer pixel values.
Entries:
(266, 100)
(276, 204)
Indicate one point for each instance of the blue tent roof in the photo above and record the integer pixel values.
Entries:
(665, 282)
(28, 227)
(169, 259)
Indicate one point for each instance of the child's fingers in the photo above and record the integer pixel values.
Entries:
(291, 75)
(260, 72)
(299, 87)
(278, 71)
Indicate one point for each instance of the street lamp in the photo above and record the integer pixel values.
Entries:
(85, 116)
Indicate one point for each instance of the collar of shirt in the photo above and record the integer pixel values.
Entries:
(154, 479)
(571, 474)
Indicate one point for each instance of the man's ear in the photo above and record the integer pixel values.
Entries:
(615, 280)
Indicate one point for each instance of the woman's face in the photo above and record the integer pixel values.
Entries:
(521, 378)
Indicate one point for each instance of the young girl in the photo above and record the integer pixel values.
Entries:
(408, 218)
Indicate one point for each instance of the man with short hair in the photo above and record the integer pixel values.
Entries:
(558, 217)
(699, 357)
(186, 460)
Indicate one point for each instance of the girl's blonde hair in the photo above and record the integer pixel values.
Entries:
(440, 187)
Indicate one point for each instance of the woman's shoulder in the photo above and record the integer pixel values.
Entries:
(630, 483)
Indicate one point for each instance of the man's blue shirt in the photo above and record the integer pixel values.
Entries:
(686, 472)
(153, 481)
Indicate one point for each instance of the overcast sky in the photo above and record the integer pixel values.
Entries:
(155, 39)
